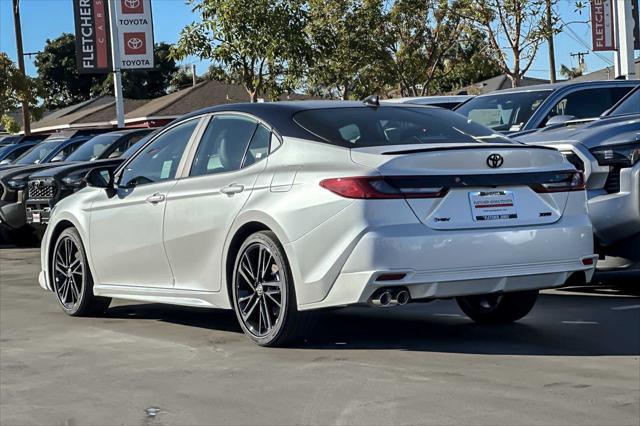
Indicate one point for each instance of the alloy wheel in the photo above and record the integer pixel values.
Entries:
(68, 272)
(259, 289)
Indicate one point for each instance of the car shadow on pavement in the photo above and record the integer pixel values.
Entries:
(560, 324)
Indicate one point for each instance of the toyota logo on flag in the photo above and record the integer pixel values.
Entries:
(131, 6)
(135, 44)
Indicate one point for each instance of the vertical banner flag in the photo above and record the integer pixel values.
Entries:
(93, 48)
(602, 25)
(635, 5)
(135, 34)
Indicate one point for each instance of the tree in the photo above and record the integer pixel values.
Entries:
(147, 84)
(63, 86)
(469, 61)
(572, 72)
(421, 36)
(259, 44)
(183, 79)
(15, 88)
(348, 59)
(519, 24)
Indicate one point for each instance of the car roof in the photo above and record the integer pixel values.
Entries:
(562, 85)
(279, 114)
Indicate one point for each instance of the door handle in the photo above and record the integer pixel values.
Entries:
(234, 188)
(155, 198)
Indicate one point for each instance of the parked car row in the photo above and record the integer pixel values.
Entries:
(76, 149)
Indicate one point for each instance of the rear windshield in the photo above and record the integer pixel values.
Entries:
(392, 125)
(502, 111)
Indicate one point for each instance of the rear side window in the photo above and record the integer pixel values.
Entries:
(259, 146)
(392, 125)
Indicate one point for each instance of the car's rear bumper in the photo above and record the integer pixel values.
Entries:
(439, 264)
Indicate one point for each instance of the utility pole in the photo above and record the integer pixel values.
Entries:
(26, 122)
(117, 72)
(580, 56)
(193, 74)
(552, 55)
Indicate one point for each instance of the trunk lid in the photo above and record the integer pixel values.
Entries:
(485, 186)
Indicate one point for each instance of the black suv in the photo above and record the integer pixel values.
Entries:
(48, 187)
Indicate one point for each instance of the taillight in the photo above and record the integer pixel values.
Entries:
(379, 188)
(561, 182)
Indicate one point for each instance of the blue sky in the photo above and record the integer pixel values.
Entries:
(47, 19)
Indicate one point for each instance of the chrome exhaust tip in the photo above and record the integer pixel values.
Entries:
(383, 300)
(403, 297)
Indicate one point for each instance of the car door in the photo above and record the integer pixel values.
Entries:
(203, 205)
(126, 227)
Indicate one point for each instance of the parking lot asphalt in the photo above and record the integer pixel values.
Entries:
(573, 360)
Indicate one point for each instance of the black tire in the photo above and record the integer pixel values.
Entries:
(498, 308)
(285, 323)
(76, 299)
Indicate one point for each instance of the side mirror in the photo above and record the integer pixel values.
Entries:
(559, 119)
(100, 178)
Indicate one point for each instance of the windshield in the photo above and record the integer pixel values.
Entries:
(629, 105)
(6, 140)
(392, 125)
(39, 152)
(92, 149)
(503, 110)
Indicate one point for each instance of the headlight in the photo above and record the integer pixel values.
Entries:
(73, 181)
(623, 155)
(17, 184)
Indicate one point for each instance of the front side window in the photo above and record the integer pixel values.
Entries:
(500, 112)
(356, 127)
(67, 151)
(588, 103)
(159, 160)
(223, 144)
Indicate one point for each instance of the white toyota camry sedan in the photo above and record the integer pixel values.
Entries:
(278, 209)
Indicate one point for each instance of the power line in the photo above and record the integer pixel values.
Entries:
(577, 38)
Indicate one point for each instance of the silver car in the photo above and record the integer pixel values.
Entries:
(278, 209)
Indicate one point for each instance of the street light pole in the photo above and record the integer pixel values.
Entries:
(26, 122)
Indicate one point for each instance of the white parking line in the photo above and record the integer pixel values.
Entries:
(580, 322)
(624, 308)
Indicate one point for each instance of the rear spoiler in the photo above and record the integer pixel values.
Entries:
(453, 148)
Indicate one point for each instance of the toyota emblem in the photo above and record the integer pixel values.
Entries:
(134, 43)
(495, 160)
(132, 4)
